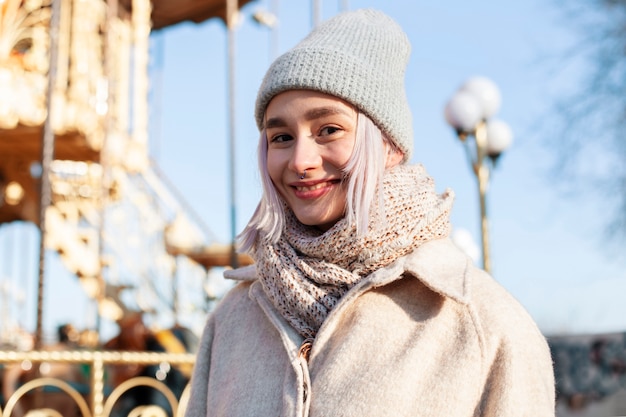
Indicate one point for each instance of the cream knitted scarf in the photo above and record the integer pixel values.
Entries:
(306, 272)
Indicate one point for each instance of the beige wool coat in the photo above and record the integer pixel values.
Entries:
(429, 335)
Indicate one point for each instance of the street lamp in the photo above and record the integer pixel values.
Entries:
(470, 112)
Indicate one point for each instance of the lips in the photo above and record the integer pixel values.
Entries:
(313, 190)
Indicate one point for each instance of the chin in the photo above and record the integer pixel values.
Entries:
(321, 224)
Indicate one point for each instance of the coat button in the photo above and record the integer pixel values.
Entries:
(305, 349)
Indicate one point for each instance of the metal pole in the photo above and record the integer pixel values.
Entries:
(482, 175)
(231, 14)
(316, 11)
(175, 282)
(109, 54)
(47, 156)
(274, 33)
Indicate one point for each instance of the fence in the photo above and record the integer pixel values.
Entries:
(97, 405)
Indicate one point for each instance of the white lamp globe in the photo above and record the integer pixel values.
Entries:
(463, 111)
(499, 137)
(463, 239)
(487, 93)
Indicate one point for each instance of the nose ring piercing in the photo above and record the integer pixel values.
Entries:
(303, 174)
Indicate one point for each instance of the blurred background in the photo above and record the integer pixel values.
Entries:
(154, 167)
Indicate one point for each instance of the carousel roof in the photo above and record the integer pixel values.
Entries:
(171, 12)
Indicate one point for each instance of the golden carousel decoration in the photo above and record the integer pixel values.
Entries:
(74, 163)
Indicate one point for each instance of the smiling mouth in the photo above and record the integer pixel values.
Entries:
(313, 187)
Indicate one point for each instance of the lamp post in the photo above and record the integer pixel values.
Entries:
(269, 19)
(470, 112)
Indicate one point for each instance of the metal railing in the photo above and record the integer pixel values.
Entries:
(98, 405)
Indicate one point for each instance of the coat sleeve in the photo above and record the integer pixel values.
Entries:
(518, 372)
(520, 381)
(197, 404)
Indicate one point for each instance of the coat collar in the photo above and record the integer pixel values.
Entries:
(439, 264)
(246, 273)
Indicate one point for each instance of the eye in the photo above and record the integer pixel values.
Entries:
(329, 130)
(280, 138)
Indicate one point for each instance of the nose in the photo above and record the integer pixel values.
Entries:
(305, 155)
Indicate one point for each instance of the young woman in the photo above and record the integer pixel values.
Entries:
(358, 304)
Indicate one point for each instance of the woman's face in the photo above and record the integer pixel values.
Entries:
(316, 132)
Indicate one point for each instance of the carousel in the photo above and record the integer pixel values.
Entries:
(77, 178)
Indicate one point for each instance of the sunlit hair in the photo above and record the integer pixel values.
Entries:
(363, 172)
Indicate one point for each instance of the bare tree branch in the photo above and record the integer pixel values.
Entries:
(590, 128)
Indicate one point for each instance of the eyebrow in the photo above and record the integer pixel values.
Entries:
(312, 114)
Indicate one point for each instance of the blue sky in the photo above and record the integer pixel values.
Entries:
(546, 248)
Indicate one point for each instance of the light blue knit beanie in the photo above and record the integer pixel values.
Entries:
(359, 56)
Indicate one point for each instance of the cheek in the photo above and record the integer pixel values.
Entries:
(343, 153)
(274, 166)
